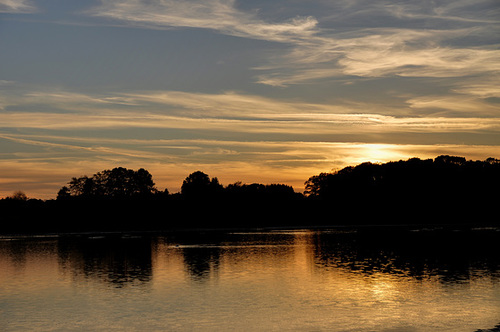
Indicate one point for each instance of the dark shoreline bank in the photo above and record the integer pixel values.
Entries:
(170, 215)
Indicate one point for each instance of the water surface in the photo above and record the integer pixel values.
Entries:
(287, 280)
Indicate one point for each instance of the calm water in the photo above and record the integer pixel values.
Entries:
(300, 280)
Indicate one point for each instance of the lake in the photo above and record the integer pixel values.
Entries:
(336, 279)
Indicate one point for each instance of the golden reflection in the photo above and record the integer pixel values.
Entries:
(307, 280)
(168, 265)
(383, 288)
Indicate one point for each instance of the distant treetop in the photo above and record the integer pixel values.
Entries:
(199, 184)
(116, 183)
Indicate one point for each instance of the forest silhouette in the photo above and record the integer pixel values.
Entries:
(444, 190)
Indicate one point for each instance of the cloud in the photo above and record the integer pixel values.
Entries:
(239, 114)
(307, 125)
(430, 13)
(16, 6)
(387, 52)
(430, 62)
(487, 87)
(458, 105)
(218, 15)
(416, 41)
(234, 136)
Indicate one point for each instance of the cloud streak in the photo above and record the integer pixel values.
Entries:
(218, 15)
(16, 6)
(238, 113)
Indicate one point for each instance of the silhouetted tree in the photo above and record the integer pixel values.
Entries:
(18, 196)
(199, 185)
(442, 174)
(82, 187)
(318, 185)
(63, 193)
(450, 160)
(162, 194)
(450, 186)
(116, 183)
(446, 189)
(492, 161)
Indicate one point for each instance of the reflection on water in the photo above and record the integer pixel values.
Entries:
(367, 279)
(115, 259)
(450, 256)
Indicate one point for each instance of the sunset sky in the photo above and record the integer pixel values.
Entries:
(252, 91)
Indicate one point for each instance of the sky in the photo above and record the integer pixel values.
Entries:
(251, 91)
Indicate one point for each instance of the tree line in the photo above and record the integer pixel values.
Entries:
(443, 189)
(444, 175)
(122, 183)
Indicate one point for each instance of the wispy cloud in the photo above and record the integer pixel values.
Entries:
(413, 43)
(17, 6)
(486, 87)
(457, 105)
(381, 53)
(239, 114)
(219, 15)
(386, 56)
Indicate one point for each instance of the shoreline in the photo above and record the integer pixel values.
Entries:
(421, 227)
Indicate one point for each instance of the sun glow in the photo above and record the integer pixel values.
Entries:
(378, 153)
